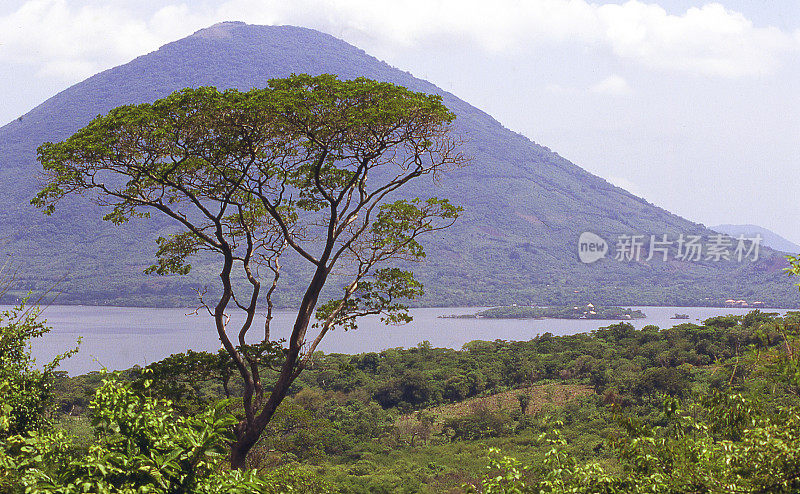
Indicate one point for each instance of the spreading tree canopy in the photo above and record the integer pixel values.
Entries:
(309, 165)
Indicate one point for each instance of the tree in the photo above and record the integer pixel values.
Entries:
(308, 165)
(28, 390)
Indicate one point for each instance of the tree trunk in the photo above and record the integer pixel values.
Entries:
(239, 451)
(251, 432)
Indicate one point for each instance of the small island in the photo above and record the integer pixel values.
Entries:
(557, 312)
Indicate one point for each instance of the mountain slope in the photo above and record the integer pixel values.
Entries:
(517, 241)
(770, 238)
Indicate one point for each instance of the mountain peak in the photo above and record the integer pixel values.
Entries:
(228, 29)
(220, 30)
(256, 36)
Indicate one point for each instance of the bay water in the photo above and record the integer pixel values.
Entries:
(121, 337)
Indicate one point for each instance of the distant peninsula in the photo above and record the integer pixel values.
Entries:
(561, 312)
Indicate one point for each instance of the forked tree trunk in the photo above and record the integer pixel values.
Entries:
(250, 433)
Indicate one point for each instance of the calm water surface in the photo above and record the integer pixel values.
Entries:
(121, 337)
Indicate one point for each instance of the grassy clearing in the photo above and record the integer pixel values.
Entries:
(541, 396)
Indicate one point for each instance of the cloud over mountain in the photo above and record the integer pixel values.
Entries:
(75, 38)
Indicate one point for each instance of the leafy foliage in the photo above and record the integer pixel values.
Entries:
(142, 445)
(29, 390)
(664, 417)
(722, 444)
(307, 165)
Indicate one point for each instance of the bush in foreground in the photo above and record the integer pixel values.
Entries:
(143, 446)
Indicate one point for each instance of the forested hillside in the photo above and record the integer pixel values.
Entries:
(524, 205)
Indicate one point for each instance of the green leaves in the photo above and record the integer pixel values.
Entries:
(318, 134)
(145, 446)
(29, 390)
(173, 252)
(398, 224)
(142, 446)
(794, 266)
(308, 163)
(721, 444)
(505, 476)
(375, 295)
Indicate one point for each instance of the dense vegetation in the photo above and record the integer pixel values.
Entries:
(693, 408)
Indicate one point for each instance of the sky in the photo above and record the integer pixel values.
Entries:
(691, 105)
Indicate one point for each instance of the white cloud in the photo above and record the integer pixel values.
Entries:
(71, 42)
(709, 40)
(72, 38)
(612, 85)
